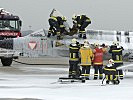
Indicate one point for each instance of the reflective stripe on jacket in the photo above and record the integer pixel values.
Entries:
(98, 56)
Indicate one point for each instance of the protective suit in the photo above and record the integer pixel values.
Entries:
(73, 58)
(98, 61)
(56, 26)
(81, 21)
(86, 60)
(117, 56)
(110, 73)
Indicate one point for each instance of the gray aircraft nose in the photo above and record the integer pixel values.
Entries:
(6, 43)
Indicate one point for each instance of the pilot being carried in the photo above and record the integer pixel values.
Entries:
(81, 22)
(56, 26)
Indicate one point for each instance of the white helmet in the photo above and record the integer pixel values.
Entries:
(111, 61)
(96, 44)
(86, 45)
(74, 16)
(74, 41)
(86, 41)
(116, 43)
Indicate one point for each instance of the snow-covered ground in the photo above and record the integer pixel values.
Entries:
(40, 82)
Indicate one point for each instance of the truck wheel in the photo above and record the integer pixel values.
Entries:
(6, 61)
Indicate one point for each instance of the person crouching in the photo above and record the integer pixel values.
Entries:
(110, 72)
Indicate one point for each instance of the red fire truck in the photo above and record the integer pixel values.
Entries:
(10, 26)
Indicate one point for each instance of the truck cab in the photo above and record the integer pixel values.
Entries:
(10, 27)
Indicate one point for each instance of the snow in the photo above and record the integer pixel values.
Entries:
(45, 86)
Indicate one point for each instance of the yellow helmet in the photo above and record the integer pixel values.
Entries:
(74, 41)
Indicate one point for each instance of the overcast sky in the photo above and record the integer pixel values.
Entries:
(105, 14)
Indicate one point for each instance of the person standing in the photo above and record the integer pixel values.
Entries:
(98, 61)
(86, 58)
(116, 52)
(73, 58)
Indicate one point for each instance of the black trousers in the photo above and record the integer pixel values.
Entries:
(86, 70)
(119, 72)
(83, 26)
(98, 68)
(111, 75)
(73, 67)
(54, 25)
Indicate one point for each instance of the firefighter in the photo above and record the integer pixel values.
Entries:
(98, 61)
(81, 22)
(116, 51)
(110, 73)
(74, 58)
(61, 23)
(86, 59)
(56, 26)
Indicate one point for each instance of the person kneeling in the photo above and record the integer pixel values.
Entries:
(110, 73)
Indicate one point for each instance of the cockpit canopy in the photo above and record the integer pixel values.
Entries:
(39, 33)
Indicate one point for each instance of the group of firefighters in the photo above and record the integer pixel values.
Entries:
(57, 26)
(87, 56)
(84, 54)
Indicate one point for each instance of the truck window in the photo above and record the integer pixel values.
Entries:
(9, 25)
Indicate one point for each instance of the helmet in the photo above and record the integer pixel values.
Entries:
(116, 43)
(86, 41)
(86, 45)
(74, 41)
(74, 16)
(111, 61)
(64, 18)
(96, 44)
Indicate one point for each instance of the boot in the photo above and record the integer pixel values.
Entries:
(70, 76)
(121, 77)
(87, 78)
(80, 35)
(84, 36)
(116, 82)
(95, 77)
(49, 34)
(107, 82)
